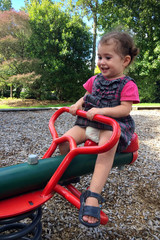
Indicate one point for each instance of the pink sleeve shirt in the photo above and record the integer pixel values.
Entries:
(129, 92)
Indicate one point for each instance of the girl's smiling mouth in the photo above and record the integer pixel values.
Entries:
(104, 68)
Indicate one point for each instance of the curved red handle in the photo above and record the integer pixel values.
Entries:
(99, 118)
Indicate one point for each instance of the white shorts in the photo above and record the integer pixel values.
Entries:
(93, 134)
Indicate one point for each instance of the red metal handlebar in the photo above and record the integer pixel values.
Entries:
(92, 149)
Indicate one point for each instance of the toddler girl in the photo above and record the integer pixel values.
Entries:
(110, 93)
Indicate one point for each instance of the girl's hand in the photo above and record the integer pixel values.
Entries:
(92, 112)
(73, 109)
(78, 105)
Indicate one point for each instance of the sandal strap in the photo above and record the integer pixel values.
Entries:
(92, 211)
(88, 193)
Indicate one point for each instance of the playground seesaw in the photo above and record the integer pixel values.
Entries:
(25, 187)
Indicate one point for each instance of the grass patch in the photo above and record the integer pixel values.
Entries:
(50, 105)
(5, 106)
(148, 104)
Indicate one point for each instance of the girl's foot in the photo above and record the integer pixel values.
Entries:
(89, 213)
(90, 201)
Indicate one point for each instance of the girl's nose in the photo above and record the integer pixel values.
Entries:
(102, 61)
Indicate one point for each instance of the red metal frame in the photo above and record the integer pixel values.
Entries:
(26, 202)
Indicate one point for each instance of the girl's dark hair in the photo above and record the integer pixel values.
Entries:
(124, 43)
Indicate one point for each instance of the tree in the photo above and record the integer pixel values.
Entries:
(5, 5)
(14, 36)
(63, 44)
(91, 8)
(88, 9)
(141, 19)
(14, 33)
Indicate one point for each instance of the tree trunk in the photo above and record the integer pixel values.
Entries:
(94, 42)
(11, 91)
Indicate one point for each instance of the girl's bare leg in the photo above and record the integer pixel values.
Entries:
(78, 134)
(102, 168)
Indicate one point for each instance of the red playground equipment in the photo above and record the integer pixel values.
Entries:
(42, 180)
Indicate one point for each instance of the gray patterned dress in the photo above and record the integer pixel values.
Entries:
(107, 93)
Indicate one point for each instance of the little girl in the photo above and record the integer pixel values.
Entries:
(111, 94)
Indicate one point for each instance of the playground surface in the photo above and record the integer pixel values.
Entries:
(132, 195)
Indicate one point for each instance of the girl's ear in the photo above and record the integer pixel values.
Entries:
(127, 60)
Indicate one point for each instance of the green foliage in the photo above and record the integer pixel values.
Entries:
(63, 44)
(89, 10)
(141, 19)
(19, 74)
(5, 5)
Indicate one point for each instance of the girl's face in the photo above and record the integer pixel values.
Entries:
(110, 63)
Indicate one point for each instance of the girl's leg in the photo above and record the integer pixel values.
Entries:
(102, 168)
(78, 134)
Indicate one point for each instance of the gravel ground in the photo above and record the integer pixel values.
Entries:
(132, 195)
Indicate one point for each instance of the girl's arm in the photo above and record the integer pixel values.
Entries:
(77, 105)
(122, 110)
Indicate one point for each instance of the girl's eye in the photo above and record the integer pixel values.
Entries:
(108, 58)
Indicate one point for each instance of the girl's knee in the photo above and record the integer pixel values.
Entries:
(64, 148)
(104, 136)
